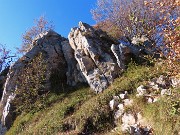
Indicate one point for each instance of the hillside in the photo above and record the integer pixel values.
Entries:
(79, 111)
(89, 84)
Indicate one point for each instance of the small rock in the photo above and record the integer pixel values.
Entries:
(151, 83)
(165, 92)
(141, 90)
(161, 81)
(114, 102)
(119, 112)
(156, 99)
(155, 87)
(146, 129)
(123, 96)
(121, 107)
(128, 119)
(124, 127)
(128, 102)
(150, 100)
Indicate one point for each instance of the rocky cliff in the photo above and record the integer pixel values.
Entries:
(92, 50)
(90, 56)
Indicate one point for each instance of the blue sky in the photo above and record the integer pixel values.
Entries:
(16, 16)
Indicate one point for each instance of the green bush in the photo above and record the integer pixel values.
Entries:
(31, 85)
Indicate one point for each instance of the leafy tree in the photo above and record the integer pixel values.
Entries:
(169, 21)
(125, 18)
(156, 19)
(41, 25)
(133, 18)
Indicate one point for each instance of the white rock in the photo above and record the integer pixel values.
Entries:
(119, 55)
(121, 107)
(125, 127)
(123, 96)
(50, 45)
(128, 102)
(141, 90)
(96, 61)
(151, 83)
(119, 112)
(161, 80)
(150, 100)
(128, 119)
(155, 87)
(156, 99)
(111, 104)
(165, 92)
(114, 102)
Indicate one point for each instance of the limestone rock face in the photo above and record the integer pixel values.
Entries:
(73, 73)
(49, 44)
(121, 52)
(92, 50)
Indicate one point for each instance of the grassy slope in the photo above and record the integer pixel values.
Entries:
(83, 111)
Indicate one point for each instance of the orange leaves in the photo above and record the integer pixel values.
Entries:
(167, 11)
(146, 3)
(177, 20)
(161, 4)
(177, 2)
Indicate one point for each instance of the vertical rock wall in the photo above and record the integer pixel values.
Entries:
(92, 50)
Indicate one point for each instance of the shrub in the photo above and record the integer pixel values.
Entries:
(158, 20)
(32, 79)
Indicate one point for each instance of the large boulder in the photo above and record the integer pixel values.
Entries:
(44, 64)
(92, 50)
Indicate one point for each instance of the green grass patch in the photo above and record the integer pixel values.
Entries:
(49, 120)
(80, 110)
(164, 115)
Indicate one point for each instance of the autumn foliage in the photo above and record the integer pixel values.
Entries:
(158, 20)
(41, 25)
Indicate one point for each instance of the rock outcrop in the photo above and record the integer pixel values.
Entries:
(49, 44)
(89, 56)
(131, 122)
(92, 50)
